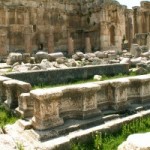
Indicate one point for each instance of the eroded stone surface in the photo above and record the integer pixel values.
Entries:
(136, 142)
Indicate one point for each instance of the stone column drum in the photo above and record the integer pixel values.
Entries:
(46, 108)
(119, 89)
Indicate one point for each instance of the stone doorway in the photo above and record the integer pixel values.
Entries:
(112, 35)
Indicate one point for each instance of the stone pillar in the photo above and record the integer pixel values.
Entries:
(28, 39)
(88, 45)
(26, 18)
(25, 105)
(147, 22)
(104, 36)
(3, 89)
(119, 93)
(46, 108)
(7, 17)
(140, 23)
(51, 42)
(15, 16)
(135, 23)
(3, 43)
(70, 46)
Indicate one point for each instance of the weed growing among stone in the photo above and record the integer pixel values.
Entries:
(110, 141)
(6, 117)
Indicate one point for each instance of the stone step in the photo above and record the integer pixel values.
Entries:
(24, 124)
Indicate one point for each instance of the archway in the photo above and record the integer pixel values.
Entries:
(112, 35)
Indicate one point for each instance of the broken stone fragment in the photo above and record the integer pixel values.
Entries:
(136, 142)
(97, 77)
(13, 58)
(54, 56)
(39, 56)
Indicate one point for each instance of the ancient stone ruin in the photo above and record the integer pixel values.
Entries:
(60, 41)
(68, 26)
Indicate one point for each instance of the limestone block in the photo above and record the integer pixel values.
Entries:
(139, 89)
(135, 50)
(97, 77)
(125, 60)
(26, 57)
(32, 60)
(11, 93)
(25, 105)
(104, 95)
(2, 88)
(14, 57)
(145, 54)
(13, 89)
(61, 60)
(89, 55)
(46, 108)
(23, 87)
(136, 142)
(39, 56)
(101, 54)
(119, 89)
(7, 142)
(54, 56)
(45, 64)
(80, 101)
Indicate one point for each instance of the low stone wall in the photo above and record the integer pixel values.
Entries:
(10, 91)
(60, 76)
(53, 105)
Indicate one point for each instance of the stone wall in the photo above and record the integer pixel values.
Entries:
(50, 108)
(68, 26)
(60, 76)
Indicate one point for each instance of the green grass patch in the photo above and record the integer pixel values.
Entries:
(6, 117)
(104, 77)
(110, 141)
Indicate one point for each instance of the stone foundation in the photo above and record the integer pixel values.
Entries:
(86, 103)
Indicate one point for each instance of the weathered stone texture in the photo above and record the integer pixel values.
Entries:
(13, 90)
(136, 142)
(54, 25)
